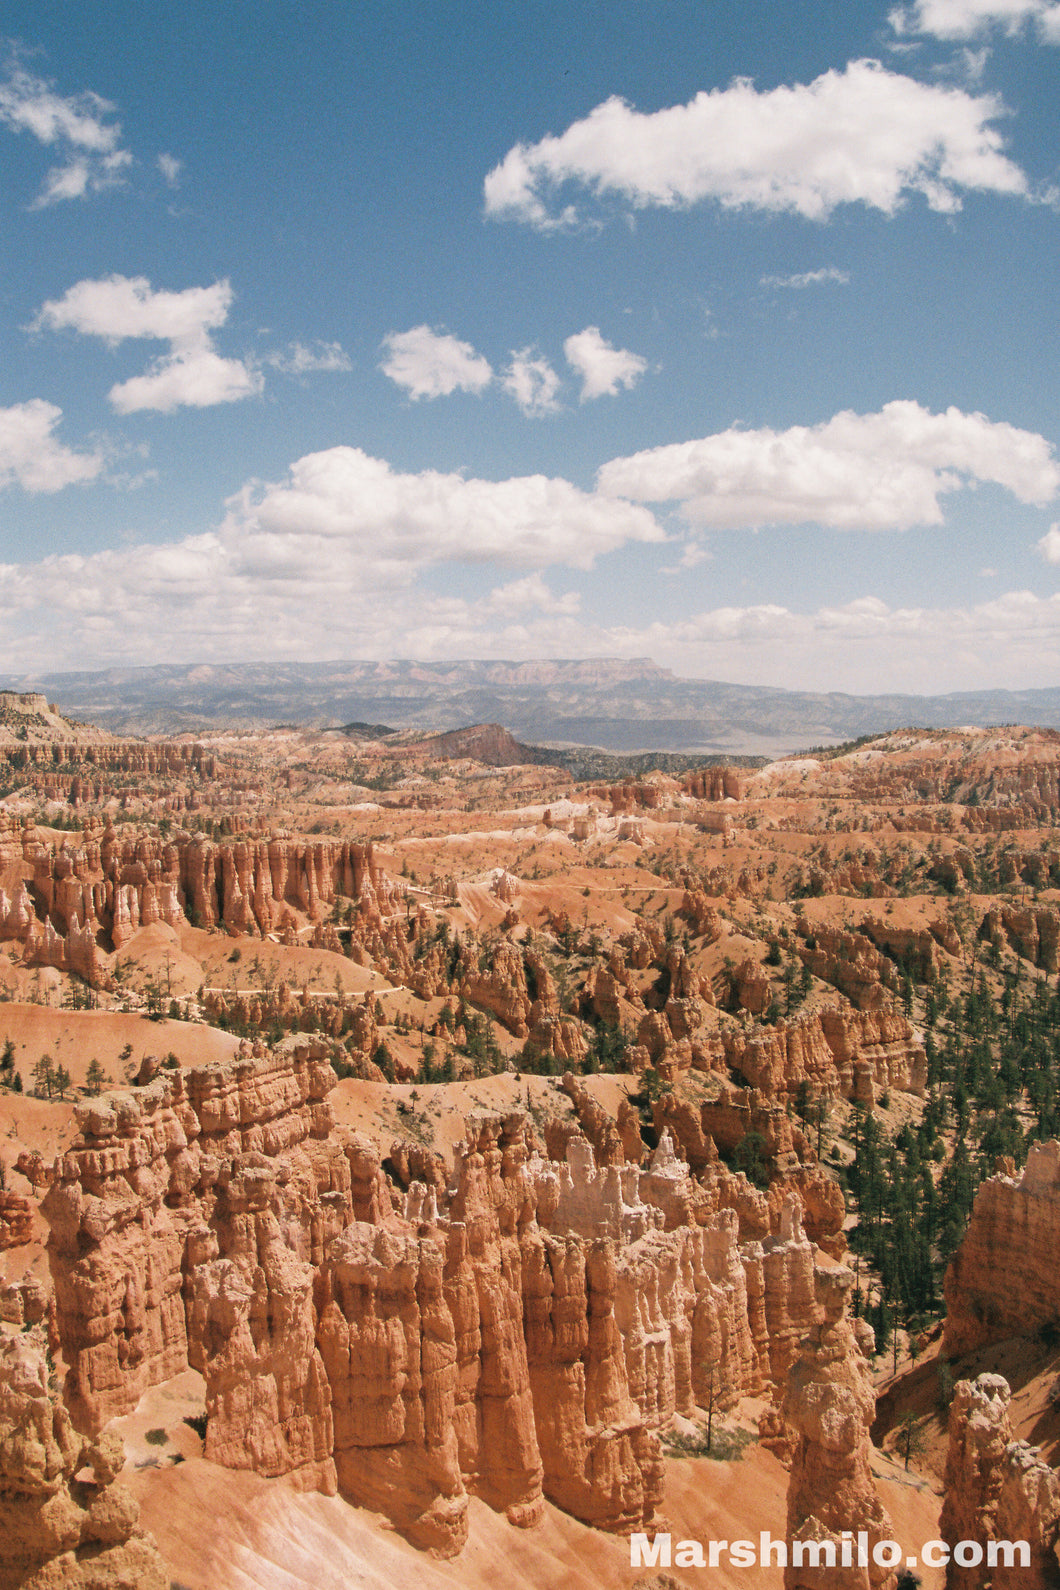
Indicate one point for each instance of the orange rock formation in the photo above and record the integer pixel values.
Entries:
(61, 1526)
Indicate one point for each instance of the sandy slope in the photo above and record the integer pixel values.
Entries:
(224, 1530)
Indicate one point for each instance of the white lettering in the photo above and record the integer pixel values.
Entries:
(1008, 1548)
(886, 1554)
(766, 1544)
(690, 1554)
(814, 1550)
(968, 1554)
(935, 1554)
(657, 1555)
(742, 1554)
(716, 1547)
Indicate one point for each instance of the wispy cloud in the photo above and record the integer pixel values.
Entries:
(298, 359)
(533, 383)
(171, 169)
(692, 555)
(863, 135)
(827, 276)
(80, 126)
(970, 19)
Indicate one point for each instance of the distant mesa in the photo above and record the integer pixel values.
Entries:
(29, 704)
(622, 706)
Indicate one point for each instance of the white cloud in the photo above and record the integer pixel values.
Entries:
(1012, 641)
(196, 379)
(31, 457)
(430, 364)
(329, 562)
(193, 374)
(533, 383)
(1049, 545)
(969, 19)
(602, 367)
(171, 169)
(882, 471)
(301, 360)
(860, 136)
(79, 124)
(828, 275)
(391, 522)
(117, 307)
(505, 601)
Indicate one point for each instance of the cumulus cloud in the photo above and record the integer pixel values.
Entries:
(117, 307)
(1049, 545)
(863, 135)
(79, 125)
(193, 374)
(430, 364)
(828, 275)
(198, 379)
(328, 559)
(533, 383)
(602, 367)
(30, 455)
(969, 19)
(884, 471)
(393, 522)
(301, 360)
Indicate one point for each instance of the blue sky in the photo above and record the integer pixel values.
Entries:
(724, 335)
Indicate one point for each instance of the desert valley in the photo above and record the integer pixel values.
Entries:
(417, 1160)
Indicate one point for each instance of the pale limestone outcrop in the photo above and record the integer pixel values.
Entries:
(997, 1489)
(64, 1521)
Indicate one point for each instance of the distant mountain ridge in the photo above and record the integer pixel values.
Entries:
(621, 705)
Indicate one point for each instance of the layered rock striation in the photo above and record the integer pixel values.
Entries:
(69, 904)
(519, 1331)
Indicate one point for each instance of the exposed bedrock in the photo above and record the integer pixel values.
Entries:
(521, 1330)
